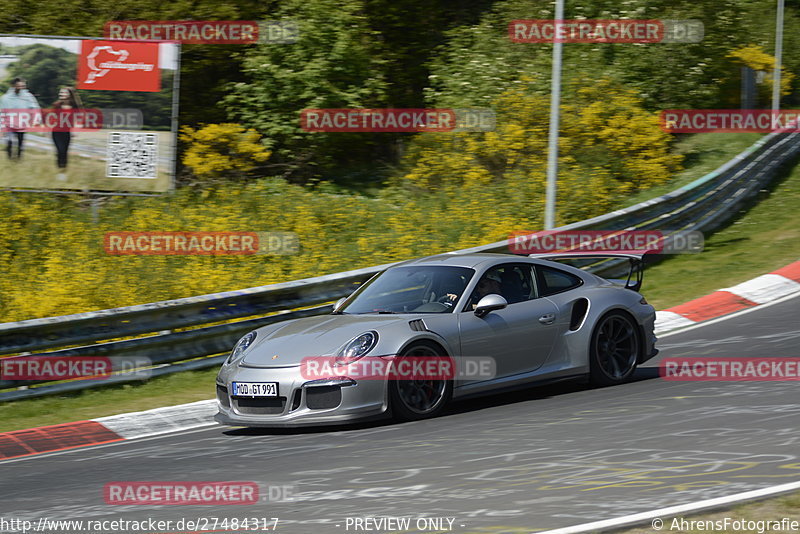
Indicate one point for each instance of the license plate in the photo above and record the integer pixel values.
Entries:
(254, 389)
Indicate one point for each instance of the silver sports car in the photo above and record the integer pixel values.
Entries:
(487, 321)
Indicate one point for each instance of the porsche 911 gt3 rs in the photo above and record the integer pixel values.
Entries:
(535, 319)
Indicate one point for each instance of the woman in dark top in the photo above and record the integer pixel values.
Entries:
(68, 102)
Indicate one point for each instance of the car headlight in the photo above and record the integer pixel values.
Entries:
(357, 348)
(240, 347)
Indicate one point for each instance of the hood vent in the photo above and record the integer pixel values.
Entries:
(417, 325)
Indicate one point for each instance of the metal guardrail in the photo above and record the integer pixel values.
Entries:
(702, 205)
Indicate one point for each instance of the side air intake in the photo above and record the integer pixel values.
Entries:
(417, 325)
(579, 309)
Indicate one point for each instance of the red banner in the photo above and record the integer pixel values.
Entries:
(119, 66)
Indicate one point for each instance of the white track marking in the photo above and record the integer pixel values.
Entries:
(765, 288)
(667, 320)
(672, 511)
(161, 420)
(730, 315)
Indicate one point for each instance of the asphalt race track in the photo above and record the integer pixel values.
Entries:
(521, 462)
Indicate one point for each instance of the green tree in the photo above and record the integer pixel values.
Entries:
(46, 69)
(336, 63)
(480, 62)
(205, 69)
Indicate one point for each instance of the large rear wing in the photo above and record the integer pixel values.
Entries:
(636, 262)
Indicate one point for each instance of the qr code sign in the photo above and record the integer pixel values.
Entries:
(132, 155)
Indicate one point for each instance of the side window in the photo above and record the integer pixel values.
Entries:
(552, 281)
(517, 283)
(513, 281)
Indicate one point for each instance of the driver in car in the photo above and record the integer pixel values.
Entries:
(488, 284)
(452, 293)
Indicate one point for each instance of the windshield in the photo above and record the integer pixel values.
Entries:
(412, 289)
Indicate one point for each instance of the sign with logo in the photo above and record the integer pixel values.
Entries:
(119, 66)
(104, 136)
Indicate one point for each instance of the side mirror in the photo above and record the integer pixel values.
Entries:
(339, 304)
(490, 303)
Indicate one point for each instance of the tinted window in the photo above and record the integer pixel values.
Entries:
(513, 281)
(553, 281)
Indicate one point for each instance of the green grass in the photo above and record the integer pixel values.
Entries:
(38, 169)
(167, 390)
(767, 238)
(771, 510)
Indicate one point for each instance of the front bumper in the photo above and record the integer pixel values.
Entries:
(300, 401)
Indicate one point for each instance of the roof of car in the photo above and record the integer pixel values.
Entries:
(463, 260)
(478, 260)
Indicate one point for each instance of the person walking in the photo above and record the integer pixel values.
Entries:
(16, 98)
(68, 103)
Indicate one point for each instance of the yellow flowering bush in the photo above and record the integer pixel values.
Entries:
(756, 58)
(457, 191)
(609, 148)
(222, 150)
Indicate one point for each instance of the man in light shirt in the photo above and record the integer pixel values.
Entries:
(16, 98)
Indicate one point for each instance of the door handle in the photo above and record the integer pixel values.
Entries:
(547, 318)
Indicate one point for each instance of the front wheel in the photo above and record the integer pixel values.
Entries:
(412, 400)
(614, 349)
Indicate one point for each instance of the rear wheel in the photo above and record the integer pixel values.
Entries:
(412, 400)
(614, 349)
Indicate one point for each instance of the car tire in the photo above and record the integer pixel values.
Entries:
(413, 400)
(614, 349)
